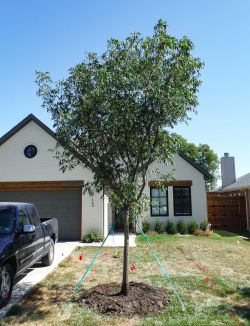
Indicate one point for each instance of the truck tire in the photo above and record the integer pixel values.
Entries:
(49, 258)
(6, 284)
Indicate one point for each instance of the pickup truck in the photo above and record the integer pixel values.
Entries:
(24, 240)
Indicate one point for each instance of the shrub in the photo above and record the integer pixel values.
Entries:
(181, 227)
(92, 237)
(158, 227)
(206, 233)
(203, 225)
(170, 228)
(145, 226)
(192, 226)
(151, 232)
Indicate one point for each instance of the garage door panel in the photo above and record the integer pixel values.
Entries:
(65, 205)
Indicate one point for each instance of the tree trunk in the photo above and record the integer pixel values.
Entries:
(125, 285)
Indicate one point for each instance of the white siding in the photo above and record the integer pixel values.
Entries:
(14, 166)
(182, 171)
(96, 210)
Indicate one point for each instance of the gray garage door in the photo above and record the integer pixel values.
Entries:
(65, 205)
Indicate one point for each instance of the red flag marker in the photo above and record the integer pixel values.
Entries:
(81, 257)
(206, 279)
(132, 267)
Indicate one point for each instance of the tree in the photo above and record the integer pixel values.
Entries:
(203, 155)
(109, 113)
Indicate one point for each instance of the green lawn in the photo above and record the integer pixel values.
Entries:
(222, 260)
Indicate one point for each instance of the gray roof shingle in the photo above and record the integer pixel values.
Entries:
(242, 182)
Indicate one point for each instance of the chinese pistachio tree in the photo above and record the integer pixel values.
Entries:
(110, 112)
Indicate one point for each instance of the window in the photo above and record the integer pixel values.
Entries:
(7, 220)
(23, 219)
(30, 151)
(159, 202)
(182, 201)
(35, 220)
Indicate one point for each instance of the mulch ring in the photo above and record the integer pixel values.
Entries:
(141, 300)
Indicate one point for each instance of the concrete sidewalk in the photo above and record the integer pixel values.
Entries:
(116, 240)
(37, 273)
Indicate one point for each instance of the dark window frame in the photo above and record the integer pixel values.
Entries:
(30, 151)
(190, 201)
(166, 196)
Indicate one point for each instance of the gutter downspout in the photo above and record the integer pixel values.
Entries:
(247, 197)
(105, 208)
(103, 213)
(248, 207)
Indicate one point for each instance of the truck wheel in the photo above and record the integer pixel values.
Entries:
(49, 258)
(6, 284)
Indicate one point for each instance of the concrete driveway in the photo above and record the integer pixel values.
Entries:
(37, 272)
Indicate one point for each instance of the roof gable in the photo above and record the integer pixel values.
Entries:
(196, 166)
(22, 124)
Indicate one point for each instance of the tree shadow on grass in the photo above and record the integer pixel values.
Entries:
(232, 233)
(29, 313)
(30, 308)
(244, 234)
(241, 310)
(245, 292)
(36, 305)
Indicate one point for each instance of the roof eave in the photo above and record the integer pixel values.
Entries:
(23, 123)
(207, 175)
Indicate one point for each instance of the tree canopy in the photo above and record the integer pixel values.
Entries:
(109, 113)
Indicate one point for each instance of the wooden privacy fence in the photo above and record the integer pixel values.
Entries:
(227, 210)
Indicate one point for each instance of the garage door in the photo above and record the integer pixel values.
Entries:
(65, 205)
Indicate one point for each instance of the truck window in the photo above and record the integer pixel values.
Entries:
(35, 219)
(7, 220)
(23, 218)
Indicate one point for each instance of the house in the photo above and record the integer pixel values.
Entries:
(29, 172)
(232, 186)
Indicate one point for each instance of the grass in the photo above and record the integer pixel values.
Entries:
(211, 276)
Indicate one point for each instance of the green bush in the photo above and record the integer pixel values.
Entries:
(158, 227)
(145, 226)
(181, 227)
(192, 226)
(170, 228)
(203, 225)
(92, 237)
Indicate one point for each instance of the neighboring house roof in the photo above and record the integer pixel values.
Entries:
(240, 183)
(31, 117)
(21, 124)
(217, 189)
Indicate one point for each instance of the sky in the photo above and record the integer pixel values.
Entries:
(55, 35)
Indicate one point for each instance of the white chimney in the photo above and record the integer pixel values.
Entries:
(227, 170)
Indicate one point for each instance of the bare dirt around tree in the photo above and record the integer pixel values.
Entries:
(142, 299)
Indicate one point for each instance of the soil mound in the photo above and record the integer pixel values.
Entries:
(142, 299)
